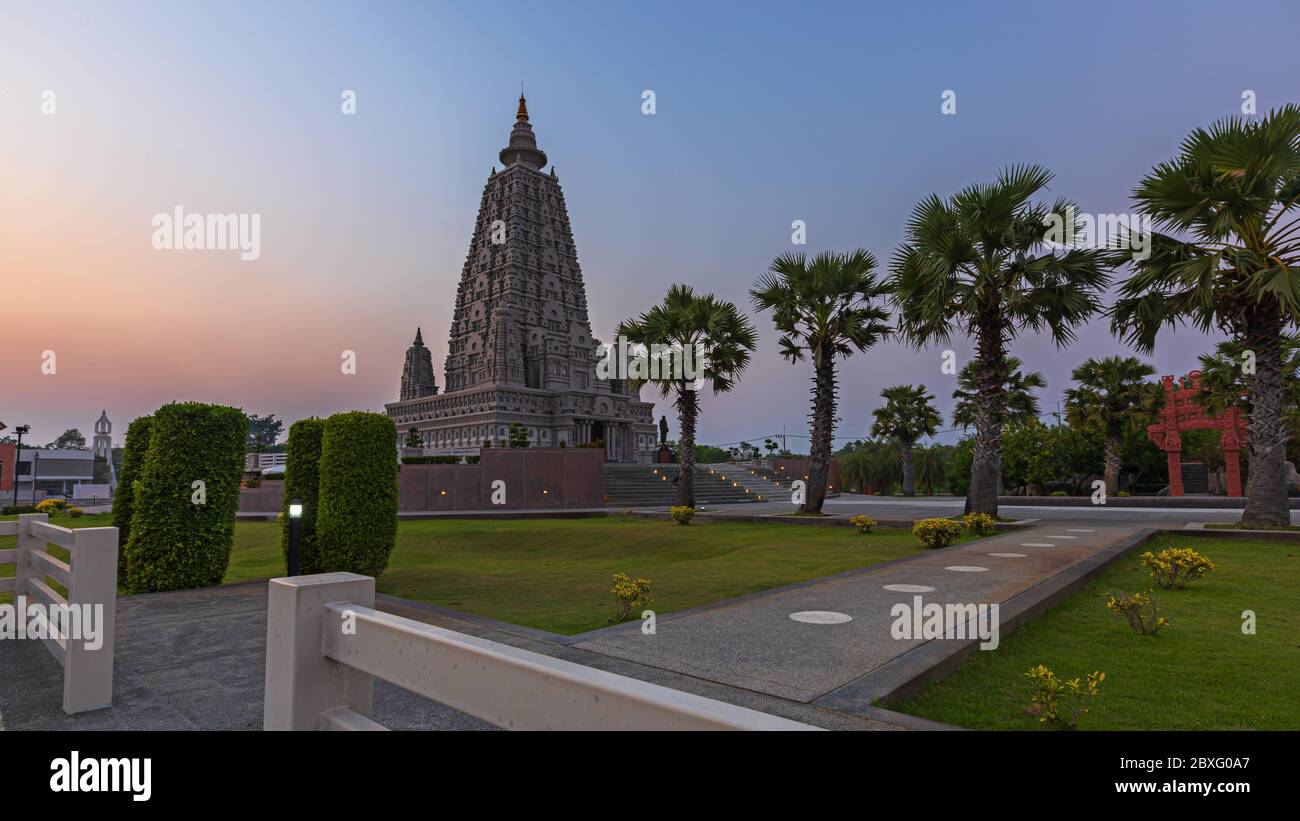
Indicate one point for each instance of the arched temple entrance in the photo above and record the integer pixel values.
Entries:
(1181, 412)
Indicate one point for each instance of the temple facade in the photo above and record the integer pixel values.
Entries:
(520, 347)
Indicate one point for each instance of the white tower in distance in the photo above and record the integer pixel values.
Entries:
(103, 441)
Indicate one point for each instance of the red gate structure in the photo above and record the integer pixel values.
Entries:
(1181, 412)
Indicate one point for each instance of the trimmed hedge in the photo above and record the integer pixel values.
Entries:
(302, 482)
(175, 543)
(356, 521)
(133, 454)
(16, 510)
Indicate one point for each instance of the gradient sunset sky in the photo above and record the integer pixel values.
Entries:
(766, 113)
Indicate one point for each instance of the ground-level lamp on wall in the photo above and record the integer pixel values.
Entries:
(295, 532)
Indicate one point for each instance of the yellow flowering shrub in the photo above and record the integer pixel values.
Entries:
(1060, 703)
(935, 533)
(682, 514)
(1175, 567)
(50, 506)
(980, 524)
(630, 594)
(74, 512)
(863, 523)
(1139, 610)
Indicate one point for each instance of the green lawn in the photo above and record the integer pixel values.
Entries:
(555, 574)
(1201, 673)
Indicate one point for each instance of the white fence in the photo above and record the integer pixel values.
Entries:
(325, 645)
(90, 577)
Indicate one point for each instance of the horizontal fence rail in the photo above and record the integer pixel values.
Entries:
(326, 644)
(90, 579)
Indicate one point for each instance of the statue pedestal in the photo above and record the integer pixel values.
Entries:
(665, 455)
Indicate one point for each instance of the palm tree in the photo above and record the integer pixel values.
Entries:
(978, 264)
(1020, 403)
(823, 308)
(931, 465)
(721, 338)
(1225, 381)
(1114, 396)
(907, 415)
(1227, 256)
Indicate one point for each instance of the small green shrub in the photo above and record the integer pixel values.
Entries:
(1176, 567)
(630, 595)
(936, 533)
(16, 510)
(863, 523)
(1060, 704)
(356, 522)
(979, 524)
(1123, 494)
(302, 482)
(682, 514)
(1059, 493)
(1139, 610)
(178, 541)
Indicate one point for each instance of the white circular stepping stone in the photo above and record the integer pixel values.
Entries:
(908, 588)
(821, 617)
(1037, 544)
(1081, 530)
(1060, 537)
(1008, 555)
(966, 568)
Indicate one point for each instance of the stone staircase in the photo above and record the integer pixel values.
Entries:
(652, 486)
(1196, 479)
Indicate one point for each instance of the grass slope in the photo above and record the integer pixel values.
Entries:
(1200, 673)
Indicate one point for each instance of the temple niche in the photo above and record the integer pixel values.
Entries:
(520, 347)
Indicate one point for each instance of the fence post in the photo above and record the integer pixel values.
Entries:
(88, 669)
(23, 567)
(300, 682)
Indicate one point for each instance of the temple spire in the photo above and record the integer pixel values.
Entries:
(418, 339)
(523, 143)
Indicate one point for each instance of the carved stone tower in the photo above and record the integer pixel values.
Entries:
(520, 347)
(417, 373)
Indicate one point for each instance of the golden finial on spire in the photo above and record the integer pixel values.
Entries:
(522, 114)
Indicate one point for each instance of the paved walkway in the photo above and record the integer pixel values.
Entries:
(754, 644)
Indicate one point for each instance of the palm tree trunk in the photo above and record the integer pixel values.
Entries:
(1112, 462)
(688, 412)
(823, 418)
(990, 397)
(909, 477)
(1266, 497)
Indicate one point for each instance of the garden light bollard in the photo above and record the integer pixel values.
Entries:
(295, 532)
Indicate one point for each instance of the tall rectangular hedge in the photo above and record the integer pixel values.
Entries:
(302, 482)
(133, 455)
(356, 522)
(176, 543)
